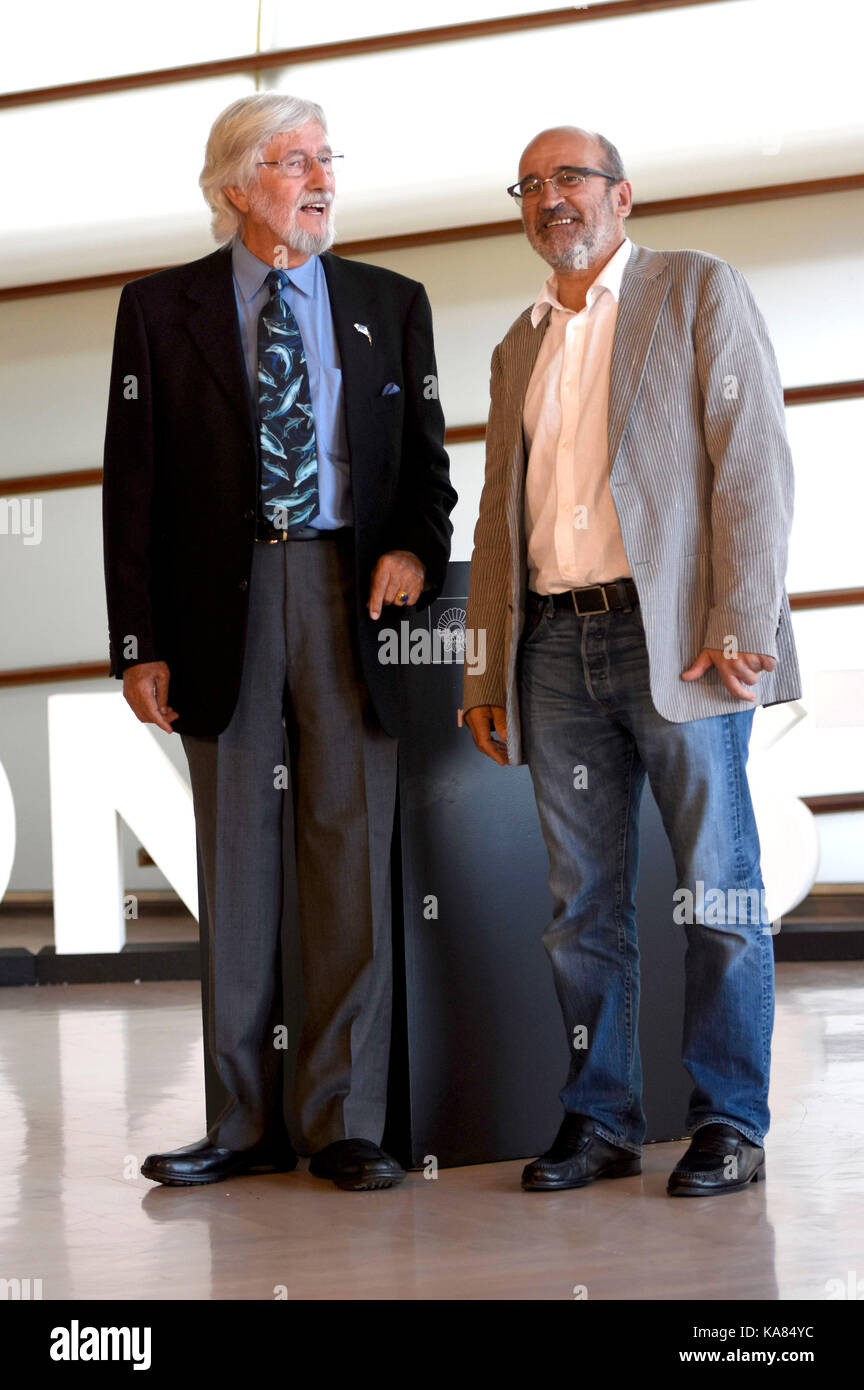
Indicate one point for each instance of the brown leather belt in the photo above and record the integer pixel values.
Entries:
(618, 595)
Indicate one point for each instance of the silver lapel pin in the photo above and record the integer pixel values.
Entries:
(361, 328)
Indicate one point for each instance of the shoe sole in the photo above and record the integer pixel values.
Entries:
(368, 1184)
(685, 1191)
(625, 1169)
(155, 1176)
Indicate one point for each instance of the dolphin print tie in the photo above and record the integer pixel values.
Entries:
(289, 458)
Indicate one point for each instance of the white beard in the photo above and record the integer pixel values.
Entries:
(308, 243)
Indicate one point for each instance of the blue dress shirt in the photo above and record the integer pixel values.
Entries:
(307, 295)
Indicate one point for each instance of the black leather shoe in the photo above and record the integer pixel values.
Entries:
(204, 1162)
(357, 1165)
(718, 1160)
(577, 1157)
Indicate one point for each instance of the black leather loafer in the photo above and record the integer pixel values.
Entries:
(577, 1157)
(357, 1165)
(718, 1160)
(204, 1162)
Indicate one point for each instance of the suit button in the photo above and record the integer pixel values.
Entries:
(243, 585)
(248, 515)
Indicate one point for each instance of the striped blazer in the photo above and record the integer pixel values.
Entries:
(700, 476)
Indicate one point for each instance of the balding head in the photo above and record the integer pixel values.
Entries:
(592, 148)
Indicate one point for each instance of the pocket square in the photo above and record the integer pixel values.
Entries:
(391, 389)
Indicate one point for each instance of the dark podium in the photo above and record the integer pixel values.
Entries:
(479, 1049)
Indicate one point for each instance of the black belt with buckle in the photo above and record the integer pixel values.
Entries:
(268, 534)
(618, 595)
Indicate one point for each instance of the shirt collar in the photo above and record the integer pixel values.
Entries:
(609, 278)
(250, 272)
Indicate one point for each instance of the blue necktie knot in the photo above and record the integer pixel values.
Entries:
(277, 280)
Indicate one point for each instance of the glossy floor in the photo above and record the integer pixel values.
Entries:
(95, 1077)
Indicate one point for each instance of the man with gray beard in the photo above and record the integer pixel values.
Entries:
(274, 477)
(628, 570)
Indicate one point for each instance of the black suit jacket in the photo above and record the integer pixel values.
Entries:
(181, 472)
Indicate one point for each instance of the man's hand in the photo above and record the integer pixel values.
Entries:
(481, 720)
(397, 572)
(145, 688)
(736, 673)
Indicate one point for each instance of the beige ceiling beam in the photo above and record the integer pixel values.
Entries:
(345, 48)
(477, 231)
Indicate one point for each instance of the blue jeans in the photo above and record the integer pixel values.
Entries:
(591, 734)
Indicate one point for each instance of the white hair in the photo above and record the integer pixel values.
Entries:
(237, 137)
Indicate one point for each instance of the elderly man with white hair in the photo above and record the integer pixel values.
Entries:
(274, 477)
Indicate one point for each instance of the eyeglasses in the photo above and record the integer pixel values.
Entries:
(294, 166)
(563, 181)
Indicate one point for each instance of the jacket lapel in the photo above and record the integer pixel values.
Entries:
(213, 325)
(527, 348)
(351, 302)
(525, 341)
(645, 287)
